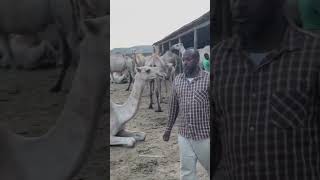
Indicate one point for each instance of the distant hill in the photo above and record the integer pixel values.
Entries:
(144, 49)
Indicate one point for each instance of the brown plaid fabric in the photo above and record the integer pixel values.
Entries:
(268, 116)
(191, 99)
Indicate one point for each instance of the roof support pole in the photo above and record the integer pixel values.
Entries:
(195, 38)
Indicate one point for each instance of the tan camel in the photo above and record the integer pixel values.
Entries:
(139, 59)
(30, 17)
(59, 153)
(121, 114)
(173, 65)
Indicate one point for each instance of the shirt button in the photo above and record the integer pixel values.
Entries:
(251, 128)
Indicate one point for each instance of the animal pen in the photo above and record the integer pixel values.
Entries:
(194, 34)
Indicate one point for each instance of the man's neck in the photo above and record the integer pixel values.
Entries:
(268, 39)
(193, 74)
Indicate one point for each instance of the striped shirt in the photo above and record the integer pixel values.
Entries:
(268, 115)
(191, 100)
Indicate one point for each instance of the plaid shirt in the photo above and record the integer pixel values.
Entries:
(191, 99)
(268, 116)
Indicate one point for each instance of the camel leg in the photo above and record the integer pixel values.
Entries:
(160, 88)
(138, 136)
(157, 89)
(130, 80)
(112, 78)
(151, 89)
(66, 55)
(6, 53)
(127, 141)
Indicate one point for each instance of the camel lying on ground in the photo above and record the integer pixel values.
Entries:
(59, 154)
(30, 53)
(121, 114)
(20, 17)
(123, 65)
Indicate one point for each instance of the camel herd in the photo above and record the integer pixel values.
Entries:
(152, 70)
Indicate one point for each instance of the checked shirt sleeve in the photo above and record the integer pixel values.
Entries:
(173, 108)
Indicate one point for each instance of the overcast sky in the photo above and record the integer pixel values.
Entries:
(143, 22)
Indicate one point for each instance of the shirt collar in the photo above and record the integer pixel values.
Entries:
(199, 75)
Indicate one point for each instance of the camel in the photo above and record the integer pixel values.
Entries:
(123, 65)
(155, 85)
(121, 114)
(202, 51)
(139, 59)
(172, 64)
(30, 53)
(20, 17)
(60, 152)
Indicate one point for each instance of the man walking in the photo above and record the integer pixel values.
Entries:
(190, 97)
(266, 94)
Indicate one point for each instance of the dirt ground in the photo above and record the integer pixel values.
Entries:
(30, 110)
(153, 158)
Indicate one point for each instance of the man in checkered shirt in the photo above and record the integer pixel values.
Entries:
(190, 97)
(265, 90)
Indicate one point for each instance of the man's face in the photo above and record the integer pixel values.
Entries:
(190, 62)
(248, 14)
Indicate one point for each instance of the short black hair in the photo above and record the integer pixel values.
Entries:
(194, 52)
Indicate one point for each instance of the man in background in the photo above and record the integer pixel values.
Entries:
(206, 62)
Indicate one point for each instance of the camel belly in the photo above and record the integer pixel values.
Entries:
(23, 16)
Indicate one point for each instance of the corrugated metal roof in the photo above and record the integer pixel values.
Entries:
(200, 20)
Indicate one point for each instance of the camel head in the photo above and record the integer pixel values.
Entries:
(177, 46)
(147, 73)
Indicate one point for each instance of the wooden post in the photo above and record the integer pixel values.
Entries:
(195, 39)
(162, 48)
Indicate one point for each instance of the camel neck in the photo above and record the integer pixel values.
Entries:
(129, 109)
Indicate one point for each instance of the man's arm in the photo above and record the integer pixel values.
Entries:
(173, 113)
(173, 109)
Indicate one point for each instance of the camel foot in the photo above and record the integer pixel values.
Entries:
(125, 141)
(158, 110)
(150, 106)
(131, 142)
(138, 136)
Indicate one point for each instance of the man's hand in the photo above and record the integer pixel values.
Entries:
(166, 135)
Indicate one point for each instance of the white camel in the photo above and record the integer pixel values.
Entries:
(121, 114)
(123, 65)
(155, 85)
(66, 145)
